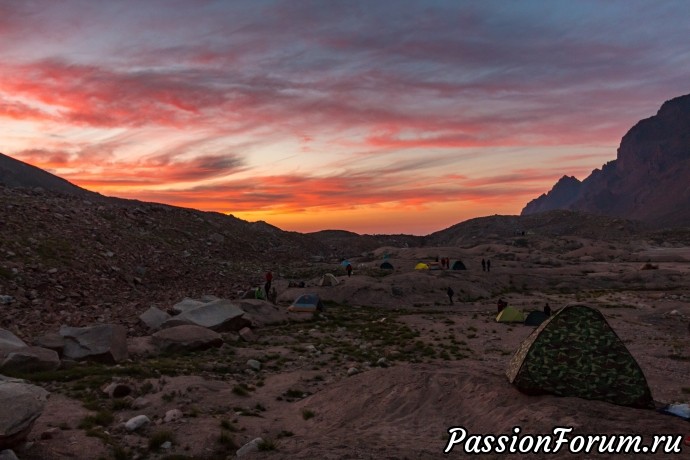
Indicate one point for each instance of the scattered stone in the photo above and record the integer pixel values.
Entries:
(6, 299)
(141, 403)
(134, 423)
(154, 317)
(186, 338)
(30, 359)
(254, 364)
(172, 415)
(251, 446)
(352, 371)
(247, 335)
(382, 362)
(50, 433)
(104, 343)
(22, 404)
(166, 445)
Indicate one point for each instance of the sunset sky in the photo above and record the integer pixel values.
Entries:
(369, 116)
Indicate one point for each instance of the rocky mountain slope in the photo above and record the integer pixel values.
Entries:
(15, 173)
(68, 259)
(647, 181)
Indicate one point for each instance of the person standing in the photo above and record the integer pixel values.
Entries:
(547, 309)
(450, 293)
(349, 270)
(269, 280)
(483, 265)
(488, 265)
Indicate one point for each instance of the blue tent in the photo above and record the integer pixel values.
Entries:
(307, 303)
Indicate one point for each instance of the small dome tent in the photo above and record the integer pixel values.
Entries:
(306, 303)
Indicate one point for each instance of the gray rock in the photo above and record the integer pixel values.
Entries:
(186, 338)
(206, 298)
(6, 299)
(219, 315)
(134, 423)
(154, 317)
(8, 454)
(382, 362)
(104, 343)
(254, 364)
(30, 359)
(172, 415)
(352, 371)
(247, 335)
(186, 304)
(251, 446)
(22, 404)
(9, 341)
(262, 313)
(52, 341)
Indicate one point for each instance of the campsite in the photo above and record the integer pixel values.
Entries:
(383, 357)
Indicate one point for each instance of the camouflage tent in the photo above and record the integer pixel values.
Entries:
(576, 353)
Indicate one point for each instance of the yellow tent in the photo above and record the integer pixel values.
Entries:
(421, 266)
(510, 315)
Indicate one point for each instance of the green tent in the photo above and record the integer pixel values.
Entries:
(576, 353)
(510, 315)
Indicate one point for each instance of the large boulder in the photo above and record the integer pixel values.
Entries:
(154, 317)
(52, 341)
(104, 343)
(187, 304)
(22, 404)
(9, 341)
(219, 315)
(186, 338)
(262, 313)
(30, 359)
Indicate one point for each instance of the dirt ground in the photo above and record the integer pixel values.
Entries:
(390, 366)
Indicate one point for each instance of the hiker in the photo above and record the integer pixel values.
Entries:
(547, 309)
(450, 294)
(269, 280)
(483, 265)
(488, 265)
(501, 304)
(349, 270)
(273, 296)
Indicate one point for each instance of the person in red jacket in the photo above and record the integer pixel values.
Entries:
(269, 280)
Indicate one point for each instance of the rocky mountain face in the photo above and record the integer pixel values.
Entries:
(649, 180)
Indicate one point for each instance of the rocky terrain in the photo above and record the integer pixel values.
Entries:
(647, 181)
(125, 334)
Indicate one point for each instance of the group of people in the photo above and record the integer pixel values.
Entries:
(486, 265)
